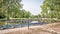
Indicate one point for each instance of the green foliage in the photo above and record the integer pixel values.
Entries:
(2, 16)
(12, 8)
(51, 8)
(27, 14)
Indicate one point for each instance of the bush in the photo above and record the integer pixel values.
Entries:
(2, 16)
(58, 18)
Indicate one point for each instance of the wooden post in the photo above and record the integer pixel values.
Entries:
(28, 24)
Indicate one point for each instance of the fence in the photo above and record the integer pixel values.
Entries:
(28, 20)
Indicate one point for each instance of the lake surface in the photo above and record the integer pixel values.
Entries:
(32, 23)
(18, 22)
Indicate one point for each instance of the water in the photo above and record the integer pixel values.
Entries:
(17, 24)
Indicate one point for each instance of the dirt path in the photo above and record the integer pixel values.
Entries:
(44, 29)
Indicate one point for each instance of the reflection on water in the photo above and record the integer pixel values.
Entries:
(2, 23)
(18, 22)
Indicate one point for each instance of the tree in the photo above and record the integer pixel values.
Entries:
(10, 7)
(27, 14)
(51, 8)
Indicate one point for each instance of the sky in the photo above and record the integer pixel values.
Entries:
(33, 6)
